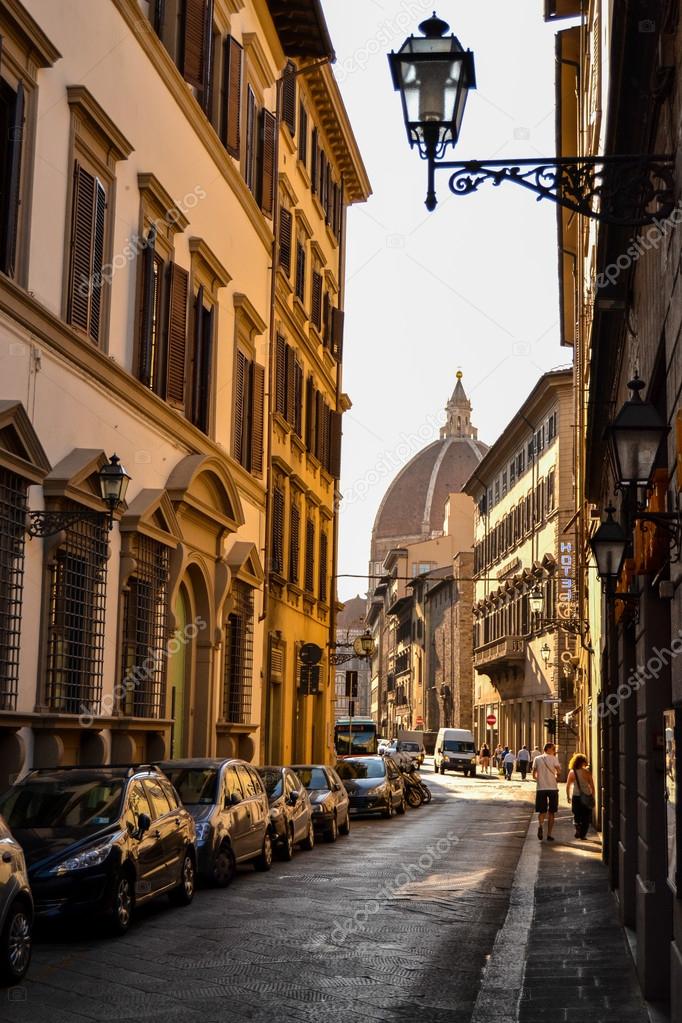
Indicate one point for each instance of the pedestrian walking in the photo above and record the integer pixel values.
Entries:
(534, 754)
(497, 756)
(523, 758)
(580, 793)
(509, 761)
(484, 757)
(546, 769)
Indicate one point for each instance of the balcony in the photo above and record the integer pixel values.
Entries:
(501, 652)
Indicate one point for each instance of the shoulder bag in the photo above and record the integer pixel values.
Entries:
(586, 798)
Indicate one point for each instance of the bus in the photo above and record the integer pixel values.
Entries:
(355, 735)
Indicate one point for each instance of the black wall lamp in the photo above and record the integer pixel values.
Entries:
(536, 602)
(434, 73)
(362, 646)
(113, 484)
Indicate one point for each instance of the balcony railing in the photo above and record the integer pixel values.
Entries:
(508, 648)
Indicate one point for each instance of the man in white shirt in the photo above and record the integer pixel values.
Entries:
(523, 757)
(509, 762)
(546, 769)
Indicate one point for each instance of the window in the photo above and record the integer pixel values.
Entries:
(497, 490)
(231, 96)
(157, 798)
(314, 162)
(201, 364)
(88, 226)
(521, 463)
(302, 134)
(178, 279)
(289, 385)
(309, 556)
(504, 482)
(76, 611)
(551, 427)
(300, 271)
(285, 240)
(323, 568)
(277, 559)
(232, 784)
(249, 788)
(12, 542)
(238, 678)
(551, 490)
(294, 542)
(137, 804)
(248, 405)
(316, 300)
(145, 630)
(11, 140)
(251, 151)
(150, 362)
(289, 97)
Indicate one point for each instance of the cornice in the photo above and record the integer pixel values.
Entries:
(158, 198)
(42, 50)
(258, 59)
(210, 263)
(244, 306)
(82, 100)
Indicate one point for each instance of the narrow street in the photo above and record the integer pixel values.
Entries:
(315, 939)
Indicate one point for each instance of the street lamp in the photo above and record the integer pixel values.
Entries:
(536, 601)
(636, 436)
(609, 544)
(113, 484)
(434, 74)
(362, 646)
(545, 653)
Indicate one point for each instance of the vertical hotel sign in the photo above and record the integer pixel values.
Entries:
(566, 595)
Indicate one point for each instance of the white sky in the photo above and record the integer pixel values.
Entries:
(472, 285)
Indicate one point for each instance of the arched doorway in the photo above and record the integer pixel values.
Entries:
(180, 676)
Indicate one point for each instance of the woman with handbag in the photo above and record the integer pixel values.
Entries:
(580, 793)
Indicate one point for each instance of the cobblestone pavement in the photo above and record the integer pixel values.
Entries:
(360, 930)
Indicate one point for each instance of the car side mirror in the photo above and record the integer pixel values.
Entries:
(294, 798)
(337, 787)
(144, 823)
(233, 799)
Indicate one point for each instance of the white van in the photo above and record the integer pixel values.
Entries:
(455, 751)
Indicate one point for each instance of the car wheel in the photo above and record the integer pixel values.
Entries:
(15, 944)
(264, 861)
(308, 842)
(184, 893)
(345, 827)
(332, 830)
(224, 867)
(402, 807)
(286, 849)
(123, 903)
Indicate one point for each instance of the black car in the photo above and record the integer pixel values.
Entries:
(101, 840)
(329, 799)
(291, 815)
(231, 811)
(16, 910)
(374, 784)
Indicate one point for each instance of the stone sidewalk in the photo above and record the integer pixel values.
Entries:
(561, 955)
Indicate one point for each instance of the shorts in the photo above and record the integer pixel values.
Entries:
(547, 800)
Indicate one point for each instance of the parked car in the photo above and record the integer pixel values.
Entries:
(230, 807)
(291, 814)
(455, 751)
(383, 743)
(328, 797)
(414, 750)
(16, 909)
(102, 840)
(374, 784)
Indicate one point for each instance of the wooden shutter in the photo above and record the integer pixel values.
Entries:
(300, 271)
(281, 375)
(294, 543)
(290, 414)
(316, 304)
(144, 362)
(335, 445)
(81, 247)
(298, 390)
(310, 415)
(319, 426)
(232, 90)
(314, 165)
(326, 320)
(289, 97)
(302, 134)
(194, 52)
(322, 573)
(267, 167)
(176, 344)
(277, 556)
(257, 418)
(337, 333)
(285, 238)
(250, 158)
(195, 356)
(97, 261)
(241, 380)
(16, 135)
(322, 170)
(310, 556)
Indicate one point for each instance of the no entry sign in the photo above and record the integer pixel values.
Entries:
(491, 720)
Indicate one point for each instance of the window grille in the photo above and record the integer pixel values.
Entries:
(12, 534)
(77, 600)
(238, 677)
(144, 659)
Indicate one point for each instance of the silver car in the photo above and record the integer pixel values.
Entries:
(16, 910)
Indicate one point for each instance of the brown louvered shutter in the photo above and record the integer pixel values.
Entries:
(326, 320)
(80, 284)
(310, 556)
(328, 196)
(300, 271)
(323, 178)
(322, 574)
(251, 155)
(97, 262)
(337, 333)
(319, 426)
(285, 238)
(277, 553)
(314, 161)
(310, 415)
(294, 543)
(12, 189)
(290, 415)
(316, 302)
(176, 345)
(302, 134)
(241, 377)
(339, 211)
(144, 361)
(257, 419)
(298, 389)
(289, 97)
(335, 444)
(267, 180)
(281, 375)
(232, 87)
(194, 54)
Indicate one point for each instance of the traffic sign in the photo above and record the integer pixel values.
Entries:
(491, 720)
(310, 653)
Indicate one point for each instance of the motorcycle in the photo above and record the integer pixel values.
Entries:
(425, 790)
(416, 792)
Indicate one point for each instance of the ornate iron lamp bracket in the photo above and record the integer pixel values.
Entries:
(626, 190)
(670, 523)
(576, 626)
(48, 523)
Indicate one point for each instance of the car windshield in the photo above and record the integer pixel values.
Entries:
(454, 746)
(195, 784)
(410, 747)
(272, 779)
(353, 769)
(63, 802)
(312, 777)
